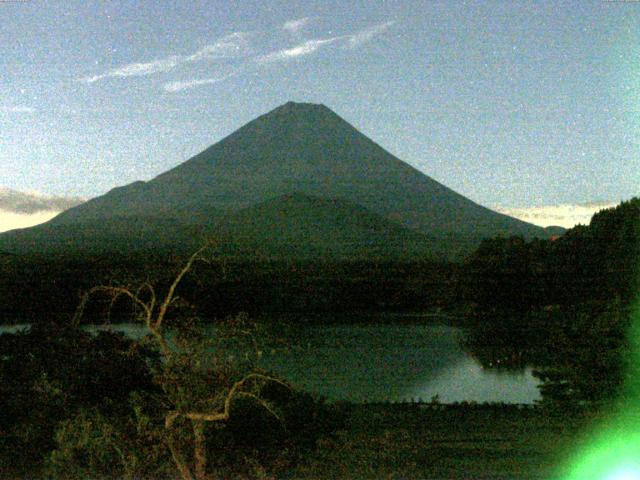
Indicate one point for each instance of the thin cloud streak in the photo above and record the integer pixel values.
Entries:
(563, 215)
(311, 46)
(137, 69)
(233, 45)
(229, 46)
(305, 48)
(366, 35)
(173, 87)
(294, 26)
(236, 45)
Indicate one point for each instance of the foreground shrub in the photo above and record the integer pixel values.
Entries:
(49, 374)
(213, 411)
(103, 443)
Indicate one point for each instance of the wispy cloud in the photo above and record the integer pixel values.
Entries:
(173, 87)
(563, 215)
(295, 26)
(32, 202)
(12, 220)
(22, 209)
(17, 109)
(232, 45)
(311, 46)
(367, 34)
(236, 45)
(305, 48)
(137, 69)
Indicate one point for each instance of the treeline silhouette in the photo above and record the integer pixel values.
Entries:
(597, 262)
(563, 305)
(49, 288)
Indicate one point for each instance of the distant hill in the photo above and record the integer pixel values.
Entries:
(298, 179)
(302, 226)
(555, 231)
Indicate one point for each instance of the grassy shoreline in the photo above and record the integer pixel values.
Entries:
(437, 442)
(426, 441)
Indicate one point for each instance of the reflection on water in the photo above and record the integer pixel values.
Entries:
(396, 363)
(467, 380)
(135, 331)
(19, 327)
(383, 363)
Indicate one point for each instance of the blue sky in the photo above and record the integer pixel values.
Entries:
(512, 104)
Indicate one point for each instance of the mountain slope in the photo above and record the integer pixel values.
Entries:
(302, 226)
(301, 148)
(294, 226)
(117, 235)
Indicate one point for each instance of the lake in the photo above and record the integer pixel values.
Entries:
(378, 363)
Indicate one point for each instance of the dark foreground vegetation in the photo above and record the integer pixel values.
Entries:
(35, 288)
(76, 406)
(79, 406)
(179, 405)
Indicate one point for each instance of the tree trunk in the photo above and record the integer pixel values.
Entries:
(181, 465)
(200, 449)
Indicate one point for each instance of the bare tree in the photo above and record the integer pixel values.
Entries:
(213, 407)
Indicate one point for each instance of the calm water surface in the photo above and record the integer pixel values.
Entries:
(384, 363)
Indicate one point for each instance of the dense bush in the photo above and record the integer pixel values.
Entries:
(109, 445)
(99, 444)
(586, 356)
(49, 374)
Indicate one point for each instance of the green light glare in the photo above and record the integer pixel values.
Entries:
(612, 449)
(625, 473)
(614, 455)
